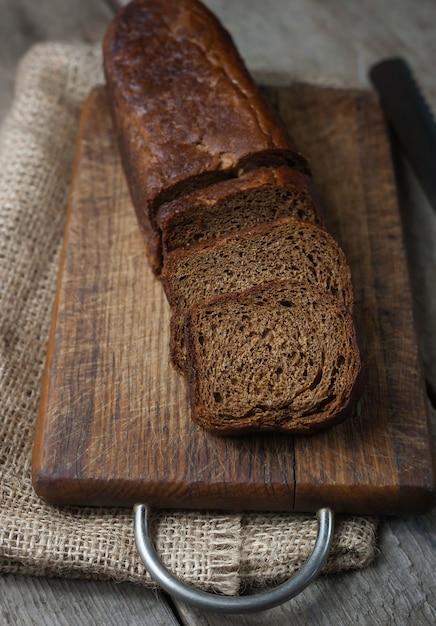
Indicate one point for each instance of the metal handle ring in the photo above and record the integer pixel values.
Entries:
(230, 604)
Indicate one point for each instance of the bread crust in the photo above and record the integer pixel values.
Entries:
(254, 413)
(186, 111)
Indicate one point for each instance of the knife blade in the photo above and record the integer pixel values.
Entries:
(410, 118)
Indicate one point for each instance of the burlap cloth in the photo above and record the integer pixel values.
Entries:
(224, 552)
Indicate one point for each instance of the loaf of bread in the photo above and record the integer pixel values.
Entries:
(260, 195)
(261, 294)
(281, 357)
(288, 248)
(186, 111)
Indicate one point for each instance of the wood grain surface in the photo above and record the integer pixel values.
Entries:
(334, 41)
(114, 425)
(383, 458)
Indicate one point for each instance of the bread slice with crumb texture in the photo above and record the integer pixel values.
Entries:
(287, 248)
(255, 197)
(281, 357)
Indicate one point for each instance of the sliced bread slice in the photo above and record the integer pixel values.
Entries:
(280, 357)
(287, 248)
(257, 196)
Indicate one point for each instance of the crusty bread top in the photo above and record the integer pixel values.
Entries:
(185, 107)
(257, 196)
(281, 357)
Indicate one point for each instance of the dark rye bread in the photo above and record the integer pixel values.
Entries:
(186, 111)
(287, 248)
(280, 357)
(257, 196)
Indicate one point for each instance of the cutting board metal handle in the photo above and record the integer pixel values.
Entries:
(228, 604)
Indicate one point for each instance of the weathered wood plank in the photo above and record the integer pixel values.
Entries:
(109, 385)
(344, 132)
(337, 40)
(56, 602)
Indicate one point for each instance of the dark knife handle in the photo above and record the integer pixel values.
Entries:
(410, 118)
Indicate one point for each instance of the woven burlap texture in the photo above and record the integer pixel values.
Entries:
(223, 552)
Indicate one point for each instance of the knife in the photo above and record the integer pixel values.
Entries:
(410, 117)
(414, 126)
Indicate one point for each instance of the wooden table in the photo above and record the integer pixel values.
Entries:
(335, 41)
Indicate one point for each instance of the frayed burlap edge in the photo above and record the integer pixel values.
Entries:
(222, 552)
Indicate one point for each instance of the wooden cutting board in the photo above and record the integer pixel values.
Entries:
(114, 425)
